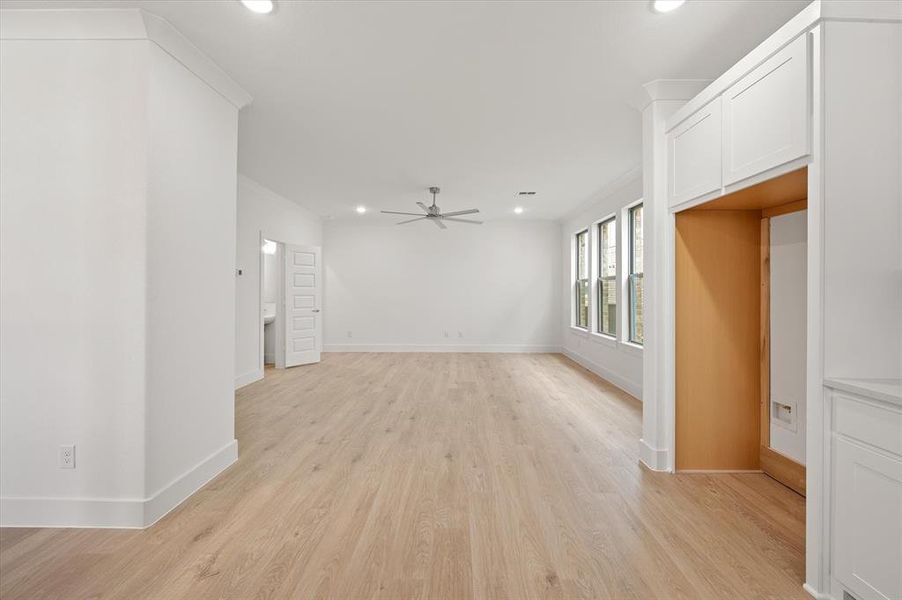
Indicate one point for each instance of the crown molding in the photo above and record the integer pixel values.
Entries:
(121, 24)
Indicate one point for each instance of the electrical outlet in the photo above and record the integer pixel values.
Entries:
(67, 456)
(350, 335)
(460, 334)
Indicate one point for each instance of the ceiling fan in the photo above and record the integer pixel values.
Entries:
(435, 214)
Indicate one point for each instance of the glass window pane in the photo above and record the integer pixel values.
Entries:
(636, 239)
(582, 303)
(637, 334)
(582, 255)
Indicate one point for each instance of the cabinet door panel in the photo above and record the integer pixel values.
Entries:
(693, 155)
(867, 530)
(766, 117)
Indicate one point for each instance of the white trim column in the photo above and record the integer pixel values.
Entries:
(659, 99)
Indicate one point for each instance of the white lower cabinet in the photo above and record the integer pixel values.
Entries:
(867, 502)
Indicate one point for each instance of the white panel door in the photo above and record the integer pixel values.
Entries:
(867, 527)
(694, 155)
(766, 116)
(303, 300)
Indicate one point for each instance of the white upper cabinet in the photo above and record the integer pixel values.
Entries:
(694, 155)
(766, 118)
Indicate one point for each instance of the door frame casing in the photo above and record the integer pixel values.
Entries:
(787, 471)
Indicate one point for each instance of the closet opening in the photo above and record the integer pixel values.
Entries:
(740, 316)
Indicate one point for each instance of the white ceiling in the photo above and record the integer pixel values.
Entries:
(371, 102)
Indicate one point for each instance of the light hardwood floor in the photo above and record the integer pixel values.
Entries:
(435, 476)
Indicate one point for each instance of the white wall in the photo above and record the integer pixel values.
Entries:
(190, 278)
(788, 283)
(491, 287)
(619, 363)
(72, 267)
(117, 232)
(281, 220)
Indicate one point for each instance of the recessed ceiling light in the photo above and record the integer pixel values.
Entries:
(663, 6)
(258, 6)
(518, 210)
(361, 210)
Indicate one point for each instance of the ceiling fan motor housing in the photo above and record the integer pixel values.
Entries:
(434, 213)
(434, 210)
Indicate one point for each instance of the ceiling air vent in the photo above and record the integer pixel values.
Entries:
(526, 193)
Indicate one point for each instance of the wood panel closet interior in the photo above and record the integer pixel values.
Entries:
(722, 318)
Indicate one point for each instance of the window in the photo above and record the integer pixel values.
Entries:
(581, 286)
(635, 285)
(607, 277)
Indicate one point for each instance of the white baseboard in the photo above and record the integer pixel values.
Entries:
(180, 489)
(248, 378)
(630, 387)
(513, 348)
(104, 513)
(115, 513)
(653, 458)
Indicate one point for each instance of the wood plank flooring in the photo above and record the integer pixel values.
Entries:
(435, 476)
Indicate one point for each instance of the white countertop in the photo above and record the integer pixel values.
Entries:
(887, 390)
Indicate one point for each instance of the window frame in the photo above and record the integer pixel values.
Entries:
(574, 287)
(630, 272)
(599, 262)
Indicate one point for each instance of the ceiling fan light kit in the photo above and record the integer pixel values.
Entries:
(434, 213)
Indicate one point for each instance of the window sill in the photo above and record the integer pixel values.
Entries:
(580, 330)
(632, 348)
(603, 338)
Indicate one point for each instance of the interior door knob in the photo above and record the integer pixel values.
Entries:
(315, 310)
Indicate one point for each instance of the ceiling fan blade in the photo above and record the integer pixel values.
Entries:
(395, 212)
(471, 221)
(412, 220)
(423, 206)
(439, 224)
(461, 212)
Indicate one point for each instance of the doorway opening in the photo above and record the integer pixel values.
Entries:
(290, 304)
(272, 289)
(740, 320)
